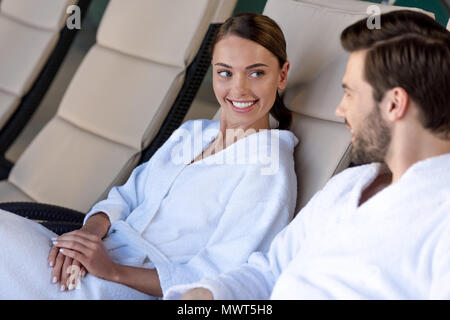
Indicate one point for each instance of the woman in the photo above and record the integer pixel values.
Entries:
(175, 221)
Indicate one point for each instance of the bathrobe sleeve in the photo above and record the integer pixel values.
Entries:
(259, 207)
(440, 281)
(122, 200)
(256, 278)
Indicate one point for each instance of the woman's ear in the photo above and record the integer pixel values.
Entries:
(283, 76)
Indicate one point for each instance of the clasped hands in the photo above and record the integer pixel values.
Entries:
(74, 254)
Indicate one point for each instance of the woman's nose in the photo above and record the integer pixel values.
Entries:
(240, 85)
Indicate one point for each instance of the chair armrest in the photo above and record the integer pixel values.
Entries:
(58, 219)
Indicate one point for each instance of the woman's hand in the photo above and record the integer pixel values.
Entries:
(67, 271)
(89, 250)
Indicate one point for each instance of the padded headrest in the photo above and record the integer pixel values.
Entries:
(136, 28)
(46, 14)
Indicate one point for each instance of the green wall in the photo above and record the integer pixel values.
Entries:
(256, 6)
(435, 6)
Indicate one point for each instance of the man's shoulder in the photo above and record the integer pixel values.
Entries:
(352, 173)
(346, 180)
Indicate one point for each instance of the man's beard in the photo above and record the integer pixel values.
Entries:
(372, 143)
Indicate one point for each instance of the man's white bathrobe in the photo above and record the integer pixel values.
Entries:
(396, 245)
(185, 220)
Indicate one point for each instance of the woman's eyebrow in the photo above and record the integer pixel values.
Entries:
(256, 65)
(223, 65)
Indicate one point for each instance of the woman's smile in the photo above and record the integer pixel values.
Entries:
(242, 106)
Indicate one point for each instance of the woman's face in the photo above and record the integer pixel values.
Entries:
(246, 77)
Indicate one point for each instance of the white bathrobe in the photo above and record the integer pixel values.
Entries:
(396, 245)
(187, 221)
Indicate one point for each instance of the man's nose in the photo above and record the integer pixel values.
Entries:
(340, 110)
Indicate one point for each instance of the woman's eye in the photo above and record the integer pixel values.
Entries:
(257, 74)
(224, 74)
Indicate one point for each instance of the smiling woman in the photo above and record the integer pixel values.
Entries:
(174, 222)
(249, 67)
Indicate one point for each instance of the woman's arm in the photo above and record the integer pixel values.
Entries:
(122, 200)
(141, 279)
(97, 224)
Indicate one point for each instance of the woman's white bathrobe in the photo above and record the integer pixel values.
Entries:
(187, 221)
(396, 245)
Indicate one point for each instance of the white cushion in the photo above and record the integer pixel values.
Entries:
(11, 193)
(24, 52)
(448, 25)
(75, 166)
(8, 104)
(322, 152)
(29, 31)
(46, 14)
(224, 10)
(154, 30)
(120, 97)
(115, 103)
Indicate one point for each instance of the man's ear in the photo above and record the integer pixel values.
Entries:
(283, 75)
(395, 103)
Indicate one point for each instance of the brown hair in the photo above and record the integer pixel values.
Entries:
(266, 32)
(411, 51)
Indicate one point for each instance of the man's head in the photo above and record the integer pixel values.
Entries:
(400, 71)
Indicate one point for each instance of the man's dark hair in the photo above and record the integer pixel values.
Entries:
(412, 51)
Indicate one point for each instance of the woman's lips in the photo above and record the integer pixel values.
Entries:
(242, 106)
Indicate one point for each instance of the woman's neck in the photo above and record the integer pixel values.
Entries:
(230, 133)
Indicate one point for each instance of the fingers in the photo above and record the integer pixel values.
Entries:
(52, 256)
(73, 273)
(65, 273)
(56, 272)
(73, 254)
(81, 234)
(75, 243)
(80, 241)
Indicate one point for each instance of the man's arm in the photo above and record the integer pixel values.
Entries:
(198, 294)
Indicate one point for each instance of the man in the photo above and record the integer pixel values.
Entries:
(380, 230)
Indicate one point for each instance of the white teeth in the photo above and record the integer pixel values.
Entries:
(242, 104)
